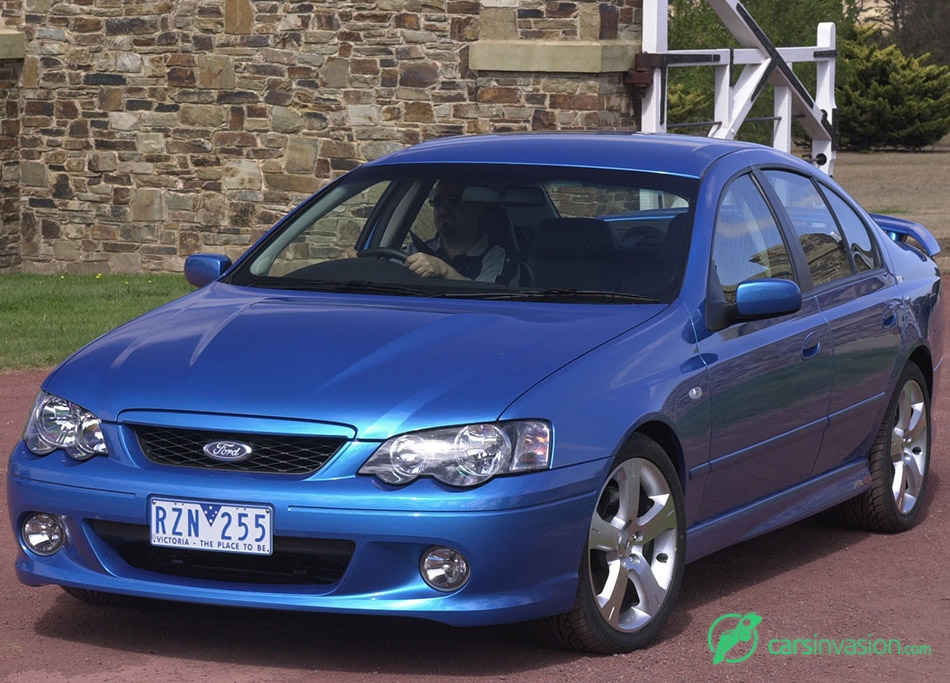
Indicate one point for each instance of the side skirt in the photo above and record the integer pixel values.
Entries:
(781, 509)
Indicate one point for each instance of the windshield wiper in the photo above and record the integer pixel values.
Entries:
(559, 295)
(350, 286)
(368, 287)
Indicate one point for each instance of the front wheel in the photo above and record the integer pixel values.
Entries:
(93, 597)
(899, 461)
(632, 566)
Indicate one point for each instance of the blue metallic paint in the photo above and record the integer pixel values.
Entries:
(768, 298)
(389, 531)
(353, 360)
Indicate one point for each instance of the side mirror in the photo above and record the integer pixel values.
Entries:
(203, 269)
(767, 298)
(755, 300)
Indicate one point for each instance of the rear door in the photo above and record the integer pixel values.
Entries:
(859, 299)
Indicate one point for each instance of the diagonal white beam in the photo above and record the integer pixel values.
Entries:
(817, 123)
(762, 63)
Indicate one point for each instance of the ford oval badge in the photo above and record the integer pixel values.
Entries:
(228, 451)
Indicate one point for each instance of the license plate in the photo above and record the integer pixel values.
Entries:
(206, 525)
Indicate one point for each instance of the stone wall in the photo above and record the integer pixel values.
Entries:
(12, 51)
(9, 166)
(143, 132)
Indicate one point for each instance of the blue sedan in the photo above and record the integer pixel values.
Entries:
(511, 378)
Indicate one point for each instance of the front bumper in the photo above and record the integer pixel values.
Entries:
(523, 537)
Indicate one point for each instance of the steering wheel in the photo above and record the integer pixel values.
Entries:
(384, 252)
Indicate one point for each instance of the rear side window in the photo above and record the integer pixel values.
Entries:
(748, 243)
(859, 241)
(825, 248)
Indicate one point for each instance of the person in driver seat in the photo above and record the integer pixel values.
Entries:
(461, 250)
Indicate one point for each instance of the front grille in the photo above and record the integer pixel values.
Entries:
(295, 561)
(271, 454)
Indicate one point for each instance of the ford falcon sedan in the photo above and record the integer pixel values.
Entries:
(495, 379)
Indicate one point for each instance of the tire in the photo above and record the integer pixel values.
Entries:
(632, 567)
(91, 597)
(899, 461)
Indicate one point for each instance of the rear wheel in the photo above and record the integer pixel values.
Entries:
(899, 461)
(633, 564)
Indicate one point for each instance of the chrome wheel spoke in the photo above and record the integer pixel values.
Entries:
(916, 423)
(913, 473)
(632, 545)
(909, 443)
(658, 520)
(908, 481)
(897, 484)
(628, 479)
(611, 597)
(897, 442)
(603, 535)
(644, 580)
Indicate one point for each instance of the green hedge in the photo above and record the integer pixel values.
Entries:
(887, 99)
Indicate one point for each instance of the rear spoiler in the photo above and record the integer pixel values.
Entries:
(899, 229)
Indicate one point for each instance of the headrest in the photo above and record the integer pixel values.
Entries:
(573, 239)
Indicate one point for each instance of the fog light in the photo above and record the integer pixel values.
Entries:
(445, 569)
(43, 533)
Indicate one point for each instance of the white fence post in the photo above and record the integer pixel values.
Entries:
(655, 36)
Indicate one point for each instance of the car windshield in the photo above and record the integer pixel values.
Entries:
(479, 231)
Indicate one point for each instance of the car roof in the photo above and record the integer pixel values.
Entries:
(684, 155)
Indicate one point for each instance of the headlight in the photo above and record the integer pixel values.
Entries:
(463, 456)
(57, 423)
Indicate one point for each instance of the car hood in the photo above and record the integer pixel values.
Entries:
(379, 364)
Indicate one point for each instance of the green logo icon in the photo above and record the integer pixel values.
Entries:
(728, 632)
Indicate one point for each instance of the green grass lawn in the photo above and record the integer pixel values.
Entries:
(44, 318)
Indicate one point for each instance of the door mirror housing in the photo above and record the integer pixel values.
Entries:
(203, 269)
(756, 299)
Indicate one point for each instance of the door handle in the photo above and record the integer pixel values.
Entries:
(811, 345)
(889, 318)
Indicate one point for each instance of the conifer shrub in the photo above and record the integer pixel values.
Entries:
(887, 99)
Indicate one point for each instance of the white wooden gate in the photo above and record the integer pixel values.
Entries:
(761, 64)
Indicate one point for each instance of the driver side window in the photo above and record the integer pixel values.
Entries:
(423, 225)
(328, 232)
